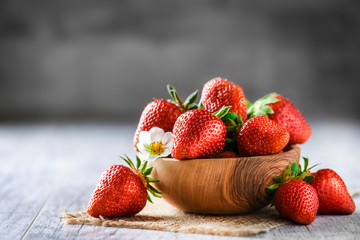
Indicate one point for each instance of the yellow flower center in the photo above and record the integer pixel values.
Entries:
(157, 148)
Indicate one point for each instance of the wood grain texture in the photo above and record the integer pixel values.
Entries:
(220, 185)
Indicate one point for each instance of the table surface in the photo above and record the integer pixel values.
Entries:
(47, 169)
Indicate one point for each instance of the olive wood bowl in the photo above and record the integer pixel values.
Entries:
(220, 186)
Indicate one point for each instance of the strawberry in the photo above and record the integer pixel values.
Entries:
(282, 111)
(332, 192)
(298, 201)
(294, 197)
(228, 154)
(261, 136)
(219, 92)
(121, 191)
(163, 114)
(198, 134)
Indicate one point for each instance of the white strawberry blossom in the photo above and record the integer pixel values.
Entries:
(154, 144)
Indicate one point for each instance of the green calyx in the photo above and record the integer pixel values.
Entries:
(143, 172)
(189, 102)
(229, 117)
(260, 107)
(292, 172)
(233, 123)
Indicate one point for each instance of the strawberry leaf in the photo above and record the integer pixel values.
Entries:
(278, 179)
(155, 194)
(231, 128)
(190, 99)
(260, 107)
(148, 171)
(128, 161)
(294, 169)
(229, 116)
(309, 179)
(240, 121)
(306, 163)
(144, 166)
(154, 189)
(201, 106)
(138, 162)
(172, 92)
(193, 106)
(152, 179)
(222, 112)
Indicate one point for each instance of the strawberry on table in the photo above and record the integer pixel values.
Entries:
(294, 197)
(332, 192)
(219, 92)
(298, 201)
(198, 134)
(163, 113)
(261, 136)
(122, 191)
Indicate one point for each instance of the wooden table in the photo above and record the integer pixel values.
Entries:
(47, 169)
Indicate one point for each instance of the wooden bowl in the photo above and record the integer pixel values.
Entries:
(220, 185)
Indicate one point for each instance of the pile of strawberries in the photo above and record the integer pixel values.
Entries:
(300, 195)
(224, 123)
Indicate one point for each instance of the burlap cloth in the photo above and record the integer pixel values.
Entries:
(164, 217)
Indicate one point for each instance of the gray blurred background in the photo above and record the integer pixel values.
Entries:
(105, 60)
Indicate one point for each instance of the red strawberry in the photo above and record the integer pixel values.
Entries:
(122, 191)
(294, 197)
(332, 192)
(261, 136)
(163, 114)
(288, 116)
(198, 134)
(159, 113)
(228, 154)
(219, 92)
(298, 201)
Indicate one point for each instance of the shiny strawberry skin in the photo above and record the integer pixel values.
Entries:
(219, 92)
(261, 136)
(333, 194)
(288, 116)
(298, 201)
(198, 134)
(159, 113)
(119, 193)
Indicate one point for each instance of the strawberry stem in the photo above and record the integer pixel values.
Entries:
(189, 101)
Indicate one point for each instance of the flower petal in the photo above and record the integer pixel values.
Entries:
(156, 134)
(142, 149)
(145, 138)
(166, 138)
(144, 156)
(166, 152)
